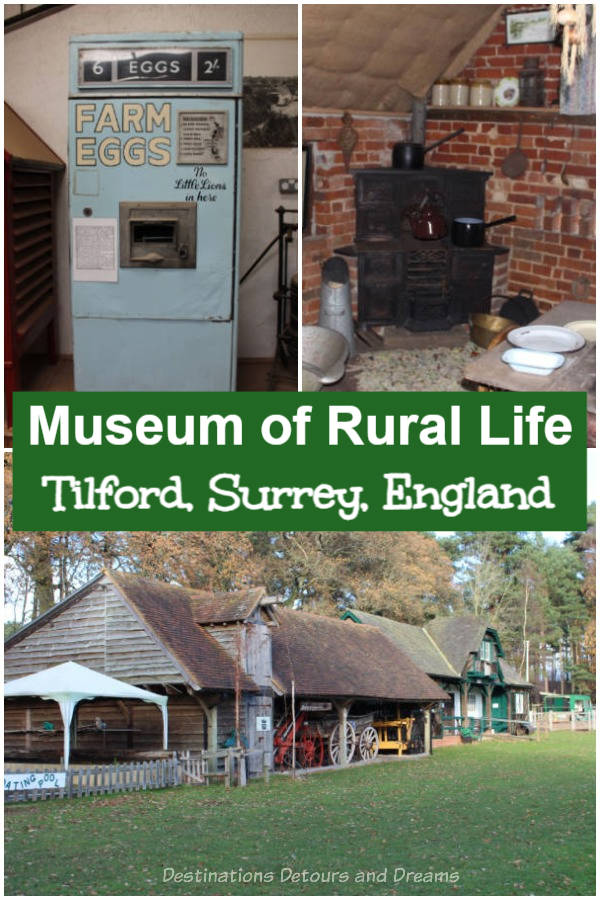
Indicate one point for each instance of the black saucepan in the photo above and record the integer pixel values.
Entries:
(468, 232)
(408, 155)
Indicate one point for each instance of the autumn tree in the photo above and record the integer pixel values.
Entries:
(403, 575)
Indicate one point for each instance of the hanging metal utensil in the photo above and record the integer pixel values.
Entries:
(516, 162)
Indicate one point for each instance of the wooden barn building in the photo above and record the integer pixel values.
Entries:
(464, 655)
(224, 660)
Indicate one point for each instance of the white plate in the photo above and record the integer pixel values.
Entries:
(532, 362)
(507, 92)
(585, 327)
(552, 338)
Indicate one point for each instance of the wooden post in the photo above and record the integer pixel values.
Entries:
(293, 728)
(488, 706)
(464, 702)
(342, 709)
(241, 762)
(427, 732)
(228, 760)
(212, 736)
(572, 720)
(550, 723)
(343, 716)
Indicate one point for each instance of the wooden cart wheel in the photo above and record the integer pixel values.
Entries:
(368, 744)
(311, 750)
(334, 744)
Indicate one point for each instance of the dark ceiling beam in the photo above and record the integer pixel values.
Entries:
(32, 15)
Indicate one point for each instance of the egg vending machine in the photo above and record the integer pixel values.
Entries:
(154, 189)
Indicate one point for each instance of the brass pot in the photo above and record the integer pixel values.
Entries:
(484, 328)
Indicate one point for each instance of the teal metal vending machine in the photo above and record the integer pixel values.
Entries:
(154, 186)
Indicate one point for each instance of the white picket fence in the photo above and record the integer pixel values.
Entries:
(551, 720)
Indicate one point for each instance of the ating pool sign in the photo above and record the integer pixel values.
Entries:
(154, 184)
(34, 781)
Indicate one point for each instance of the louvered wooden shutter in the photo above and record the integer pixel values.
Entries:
(30, 229)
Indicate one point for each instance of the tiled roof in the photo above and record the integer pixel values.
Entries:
(457, 637)
(167, 611)
(212, 608)
(412, 639)
(512, 677)
(329, 658)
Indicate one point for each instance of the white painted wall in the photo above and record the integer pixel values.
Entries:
(36, 86)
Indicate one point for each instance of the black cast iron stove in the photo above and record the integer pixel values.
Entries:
(422, 285)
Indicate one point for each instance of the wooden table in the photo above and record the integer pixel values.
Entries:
(577, 374)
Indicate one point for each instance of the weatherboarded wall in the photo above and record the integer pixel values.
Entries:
(131, 728)
(98, 631)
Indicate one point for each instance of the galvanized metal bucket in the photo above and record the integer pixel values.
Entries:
(336, 309)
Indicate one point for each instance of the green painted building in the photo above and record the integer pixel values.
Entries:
(580, 704)
(464, 655)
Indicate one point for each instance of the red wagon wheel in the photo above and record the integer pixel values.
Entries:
(311, 749)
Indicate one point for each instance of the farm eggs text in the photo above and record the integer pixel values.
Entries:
(109, 145)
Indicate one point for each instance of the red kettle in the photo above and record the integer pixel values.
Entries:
(426, 219)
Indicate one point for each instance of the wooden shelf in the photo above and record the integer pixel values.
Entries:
(524, 114)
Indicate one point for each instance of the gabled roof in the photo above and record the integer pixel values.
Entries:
(167, 611)
(213, 608)
(330, 658)
(512, 677)
(459, 636)
(411, 639)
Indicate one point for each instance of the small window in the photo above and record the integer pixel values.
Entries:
(519, 703)
(487, 651)
(475, 706)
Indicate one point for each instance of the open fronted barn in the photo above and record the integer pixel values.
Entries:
(140, 632)
(233, 666)
(464, 656)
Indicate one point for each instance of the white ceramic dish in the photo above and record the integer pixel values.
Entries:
(532, 362)
(585, 327)
(551, 338)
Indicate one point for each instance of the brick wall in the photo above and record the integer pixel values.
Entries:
(494, 60)
(553, 240)
(333, 211)
(552, 245)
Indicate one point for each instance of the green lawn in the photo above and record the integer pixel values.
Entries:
(514, 818)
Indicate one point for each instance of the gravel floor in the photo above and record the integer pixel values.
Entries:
(438, 369)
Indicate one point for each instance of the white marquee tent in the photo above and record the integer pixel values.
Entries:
(69, 683)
